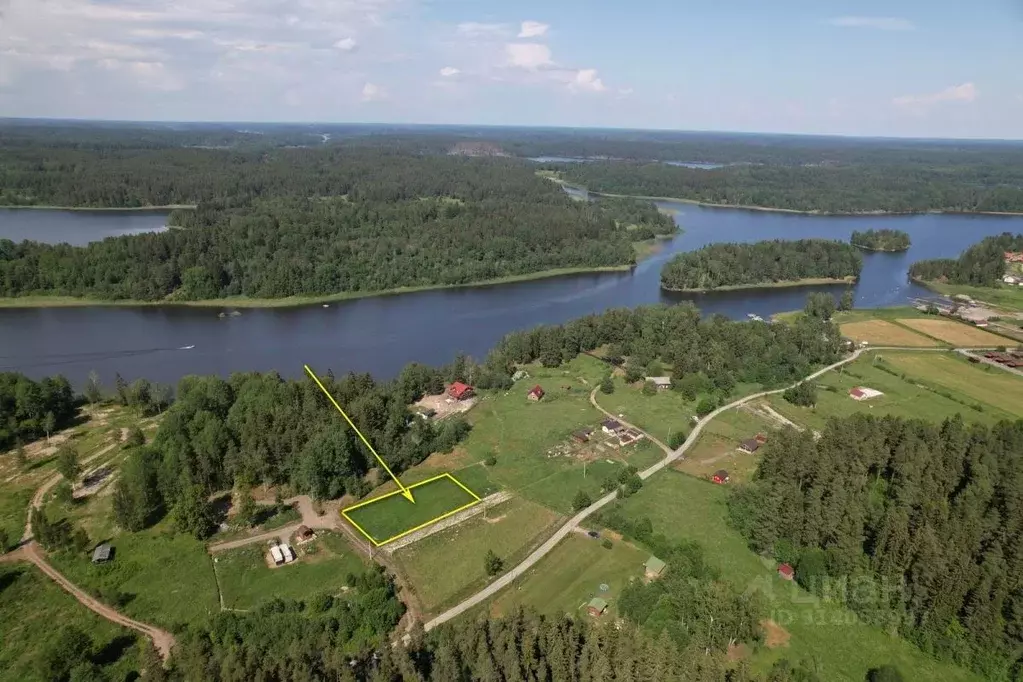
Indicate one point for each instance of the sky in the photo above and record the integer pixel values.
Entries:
(902, 68)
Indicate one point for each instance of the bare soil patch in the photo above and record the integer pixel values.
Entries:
(445, 406)
(881, 333)
(956, 333)
(774, 635)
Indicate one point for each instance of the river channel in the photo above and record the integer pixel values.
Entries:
(382, 334)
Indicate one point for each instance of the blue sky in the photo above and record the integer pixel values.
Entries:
(897, 68)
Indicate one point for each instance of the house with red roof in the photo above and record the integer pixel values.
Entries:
(460, 391)
(535, 394)
(786, 571)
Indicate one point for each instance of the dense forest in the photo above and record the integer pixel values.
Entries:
(915, 526)
(287, 222)
(880, 240)
(983, 264)
(814, 187)
(30, 410)
(766, 262)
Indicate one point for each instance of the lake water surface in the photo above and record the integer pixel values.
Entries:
(76, 227)
(382, 334)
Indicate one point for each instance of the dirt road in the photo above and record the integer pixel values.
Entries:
(672, 455)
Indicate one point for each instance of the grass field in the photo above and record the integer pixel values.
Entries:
(1003, 296)
(660, 414)
(448, 565)
(913, 397)
(156, 575)
(571, 575)
(32, 611)
(684, 508)
(883, 333)
(956, 333)
(322, 567)
(981, 383)
(385, 518)
(716, 447)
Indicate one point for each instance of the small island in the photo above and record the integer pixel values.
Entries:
(880, 240)
(774, 263)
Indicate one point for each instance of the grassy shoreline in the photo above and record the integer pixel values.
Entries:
(870, 248)
(291, 301)
(124, 209)
(810, 281)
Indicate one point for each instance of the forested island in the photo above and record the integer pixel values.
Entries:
(762, 264)
(982, 264)
(271, 224)
(880, 240)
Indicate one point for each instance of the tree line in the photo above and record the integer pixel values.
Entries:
(915, 526)
(880, 240)
(766, 262)
(822, 187)
(982, 264)
(30, 410)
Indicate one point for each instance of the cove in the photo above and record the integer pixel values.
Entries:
(381, 334)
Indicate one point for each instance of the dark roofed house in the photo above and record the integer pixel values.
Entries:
(750, 445)
(581, 436)
(102, 554)
(536, 393)
(720, 476)
(305, 533)
(611, 426)
(460, 391)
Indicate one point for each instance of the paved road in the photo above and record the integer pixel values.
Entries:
(573, 523)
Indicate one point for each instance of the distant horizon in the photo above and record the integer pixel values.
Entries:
(512, 126)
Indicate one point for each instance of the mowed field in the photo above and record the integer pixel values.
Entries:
(956, 333)
(572, 574)
(385, 518)
(322, 567)
(448, 565)
(934, 387)
(842, 647)
(883, 333)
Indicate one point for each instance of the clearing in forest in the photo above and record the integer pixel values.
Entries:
(881, 333)
(391, 516)
(956, 333)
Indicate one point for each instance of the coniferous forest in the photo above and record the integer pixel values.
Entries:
(767, 262)
(983, 264)
(917, 527)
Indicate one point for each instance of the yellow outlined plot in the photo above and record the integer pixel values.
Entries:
(378, 542)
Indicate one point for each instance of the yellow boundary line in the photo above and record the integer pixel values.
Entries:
(377, 543)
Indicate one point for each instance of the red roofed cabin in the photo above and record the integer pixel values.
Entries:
(720, 476)
(786, 571)
(460, 391)
(535, 394)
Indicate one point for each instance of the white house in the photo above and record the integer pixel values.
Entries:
(661, 383)
(1009, 279)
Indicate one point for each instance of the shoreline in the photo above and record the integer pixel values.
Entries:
(44, 301)
(124, 209)
(868, 248)
(807, 282)
(769, 209)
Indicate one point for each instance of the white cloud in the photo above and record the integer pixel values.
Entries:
(877, 23)
(149, 75)
(346, 44)
(372, 93)
(967, 92)
(529, 56)
(449, 71)
(533, 29)
(474, 29)
(586, 80)
(159, 33)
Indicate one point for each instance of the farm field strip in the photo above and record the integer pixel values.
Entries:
(390, 516)
(955, 333)
(984, 384)
(883, 333)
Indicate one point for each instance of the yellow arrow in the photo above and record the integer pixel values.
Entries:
(404, 491)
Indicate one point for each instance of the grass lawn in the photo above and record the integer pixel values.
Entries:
(716, 447)
(979, 382)
(156, 575)
(571, 575)
(32, 611)
(393, 515)
(449, 565)
(660, 414)
(914, 397)
(322, 567)
(14, 501)
(682, 507)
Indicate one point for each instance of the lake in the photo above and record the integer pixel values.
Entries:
(76, 227)
(382, 334)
